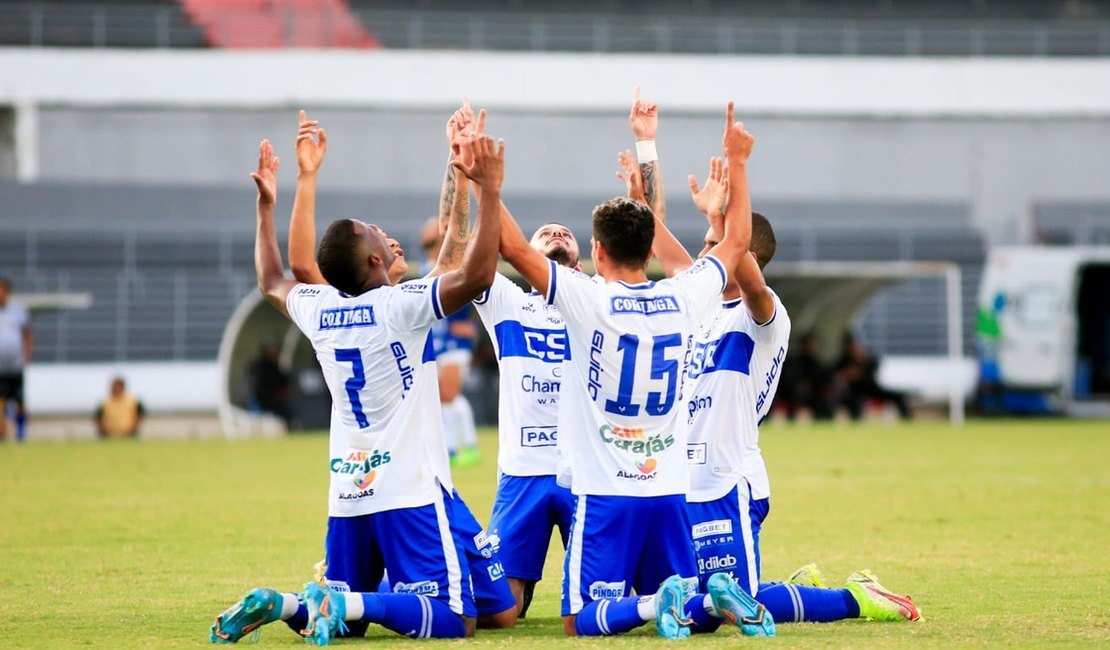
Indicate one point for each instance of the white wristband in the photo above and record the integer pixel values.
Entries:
(645, 151)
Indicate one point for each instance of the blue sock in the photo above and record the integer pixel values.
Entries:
(20, 426)
(795, 603)
(608, 616)
(412, 615)
(703, 620)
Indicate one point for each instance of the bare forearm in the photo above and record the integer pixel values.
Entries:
(267, 256)
(302, 231)
(671, 253)
(457, 233)
(28, 344)
(447, 191)
(738, 215)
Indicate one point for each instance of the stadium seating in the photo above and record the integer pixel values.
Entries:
(278, 23)
(159, 296)
(118, 23)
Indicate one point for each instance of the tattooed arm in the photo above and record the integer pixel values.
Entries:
(454, 196)
(644, 120)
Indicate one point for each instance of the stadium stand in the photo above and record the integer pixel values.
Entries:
(116, 23)
(1071, 222)
(161, 295)
(849, 28)
(278, 23)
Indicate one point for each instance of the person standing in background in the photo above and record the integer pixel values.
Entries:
(16, 344)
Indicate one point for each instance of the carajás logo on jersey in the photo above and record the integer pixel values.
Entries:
(634, 440)
(361, 466)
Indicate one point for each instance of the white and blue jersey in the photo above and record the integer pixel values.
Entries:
(732, 378)
(386, 442)
(530, 340)
(621, 417)
(623, 427)
(388, 462)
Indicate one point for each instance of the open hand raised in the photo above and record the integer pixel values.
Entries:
(266, 176)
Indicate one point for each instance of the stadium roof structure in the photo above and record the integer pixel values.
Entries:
(51, 301)
(823, 298)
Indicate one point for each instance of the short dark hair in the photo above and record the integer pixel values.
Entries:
(763, 239)
(337, 258)
(625, 228)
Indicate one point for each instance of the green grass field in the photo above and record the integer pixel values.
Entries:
(999, 530)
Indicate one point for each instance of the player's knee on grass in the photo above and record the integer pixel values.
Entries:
(569, 624)
(502, 620)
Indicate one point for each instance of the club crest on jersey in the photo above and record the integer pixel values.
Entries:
(647, 305)
(339, 318)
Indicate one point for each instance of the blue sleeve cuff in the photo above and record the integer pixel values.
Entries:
(436, 307)
(553, 275)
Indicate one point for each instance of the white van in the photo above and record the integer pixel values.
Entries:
(1043, 329)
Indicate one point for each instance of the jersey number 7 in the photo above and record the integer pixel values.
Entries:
(356, 382)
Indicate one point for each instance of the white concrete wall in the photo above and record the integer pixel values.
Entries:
(997, 134)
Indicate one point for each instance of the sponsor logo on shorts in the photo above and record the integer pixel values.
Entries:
(710, 528)
(538, 436)
(696, 452)
(716, 563)
(496, 571)
(599, 590)
(339, 585)
(340, 318)
(425, 588)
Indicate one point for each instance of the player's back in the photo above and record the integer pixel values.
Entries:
(620, 419)
(377, 359)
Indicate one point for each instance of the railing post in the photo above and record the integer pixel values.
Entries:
(37, 19)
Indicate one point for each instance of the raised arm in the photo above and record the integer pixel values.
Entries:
(710, 198)
(671, 253)
(312, 144)
(267, 256)
(644, 120)
(479, 263)
(454, 196)
(737, 234)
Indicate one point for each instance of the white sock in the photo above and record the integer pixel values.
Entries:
(646, 608)
(355, 606)
(707, 603)
(468, 434)
(450, 426)
(289, 605)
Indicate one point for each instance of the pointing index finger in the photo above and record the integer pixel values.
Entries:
(728, 115)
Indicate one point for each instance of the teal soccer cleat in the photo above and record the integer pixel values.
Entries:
(738, 607)
(326, 608)
(670, 609)
(257, 608)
